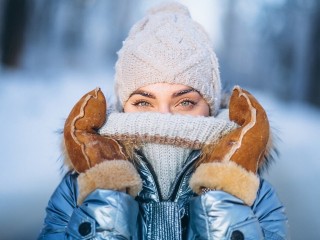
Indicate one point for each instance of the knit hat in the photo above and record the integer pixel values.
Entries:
(167, 46)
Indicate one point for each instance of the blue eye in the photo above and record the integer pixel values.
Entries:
(187, 103)
(141, 104)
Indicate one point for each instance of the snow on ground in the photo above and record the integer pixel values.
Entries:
(33, 108)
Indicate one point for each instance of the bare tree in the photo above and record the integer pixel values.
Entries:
(14, 25)
(314, 77)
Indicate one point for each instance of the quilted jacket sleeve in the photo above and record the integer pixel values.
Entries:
(105, 214)
(219, 215)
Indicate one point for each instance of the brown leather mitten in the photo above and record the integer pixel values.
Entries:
(232, 163)
(100, 161)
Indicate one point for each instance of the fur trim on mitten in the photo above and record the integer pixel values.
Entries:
(229, 177)
(118, 175)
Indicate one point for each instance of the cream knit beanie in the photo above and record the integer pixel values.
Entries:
(167, 46)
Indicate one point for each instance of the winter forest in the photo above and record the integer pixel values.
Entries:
(54, 51)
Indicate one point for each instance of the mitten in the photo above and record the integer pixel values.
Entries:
(100, 161)
(232, 163)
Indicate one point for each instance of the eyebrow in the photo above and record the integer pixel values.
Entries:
(142, 93)
(184, 91)
(176, 94)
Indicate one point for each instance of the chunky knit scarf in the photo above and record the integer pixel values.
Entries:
(180, 130)
(166, 140)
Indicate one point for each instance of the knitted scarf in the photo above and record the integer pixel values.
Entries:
(166, 140)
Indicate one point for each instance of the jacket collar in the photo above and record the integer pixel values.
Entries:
(151, 190)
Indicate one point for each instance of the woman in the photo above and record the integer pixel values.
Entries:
(170, 164)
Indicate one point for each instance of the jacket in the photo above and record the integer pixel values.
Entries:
(108, 214)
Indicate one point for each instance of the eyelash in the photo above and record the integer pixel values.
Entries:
(193, 103)
(138, 102)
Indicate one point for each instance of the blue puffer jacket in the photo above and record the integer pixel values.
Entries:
(107, 214)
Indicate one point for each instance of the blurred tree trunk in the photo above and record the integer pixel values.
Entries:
(120, 25)
(228, 52)
(13, 29)
(314, 78)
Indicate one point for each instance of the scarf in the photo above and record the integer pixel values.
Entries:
(166, 140)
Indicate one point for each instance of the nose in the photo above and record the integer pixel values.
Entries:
(164, 108)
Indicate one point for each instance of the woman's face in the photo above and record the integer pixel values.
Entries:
(167, 98)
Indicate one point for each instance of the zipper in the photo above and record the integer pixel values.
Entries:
(147, 167)
(177, 183)
(184, 171)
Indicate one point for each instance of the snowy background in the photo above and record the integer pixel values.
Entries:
(37, 94)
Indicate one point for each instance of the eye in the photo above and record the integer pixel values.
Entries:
(141, 103)
(187, 103)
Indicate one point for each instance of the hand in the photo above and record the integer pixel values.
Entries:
(101, 161)
(232, 163)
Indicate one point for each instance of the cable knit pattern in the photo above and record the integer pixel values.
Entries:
(167, 46)
(179, 130)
